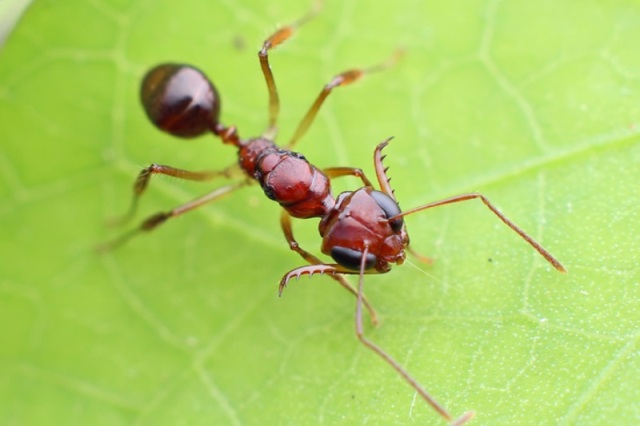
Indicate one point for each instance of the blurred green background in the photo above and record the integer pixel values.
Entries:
(535, 104)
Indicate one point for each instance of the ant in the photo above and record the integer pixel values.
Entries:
(362, 230)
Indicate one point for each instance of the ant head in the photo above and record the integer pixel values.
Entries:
(180, 100)
(364, 218)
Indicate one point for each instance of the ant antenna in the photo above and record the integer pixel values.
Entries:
(392, 362)
(470, 196)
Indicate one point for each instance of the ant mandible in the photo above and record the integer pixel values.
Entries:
(362, 230)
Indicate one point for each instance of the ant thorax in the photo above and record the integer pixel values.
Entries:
(287, 178)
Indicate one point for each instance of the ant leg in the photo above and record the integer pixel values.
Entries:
(285, 222)
(464, 197)
(277, 38)
(342, 79)
(142, 181)
(157, 219)
(392, 362)
(334, 172)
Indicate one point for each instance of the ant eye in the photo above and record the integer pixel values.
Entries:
(180, 100)
(390, 208)
(351, 259)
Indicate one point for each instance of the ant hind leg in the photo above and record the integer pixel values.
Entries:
(159, 218)
(144, 177)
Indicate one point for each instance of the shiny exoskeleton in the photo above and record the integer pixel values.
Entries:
(179, 99)
(363, 230)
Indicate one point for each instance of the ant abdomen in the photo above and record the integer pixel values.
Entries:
(180, 100)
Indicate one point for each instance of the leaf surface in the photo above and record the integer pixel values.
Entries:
(534, 104)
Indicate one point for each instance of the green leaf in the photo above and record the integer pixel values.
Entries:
(534, 104)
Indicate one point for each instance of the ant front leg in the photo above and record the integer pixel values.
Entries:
(157, 219)
(285, 222)
(143, 179)
(334, 172)
(277, 38)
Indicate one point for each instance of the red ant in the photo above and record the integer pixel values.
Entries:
(362, 230)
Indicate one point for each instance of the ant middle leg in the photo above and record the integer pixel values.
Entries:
(285, 222)
(159, 218)
(275, 39)
(343, 79)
